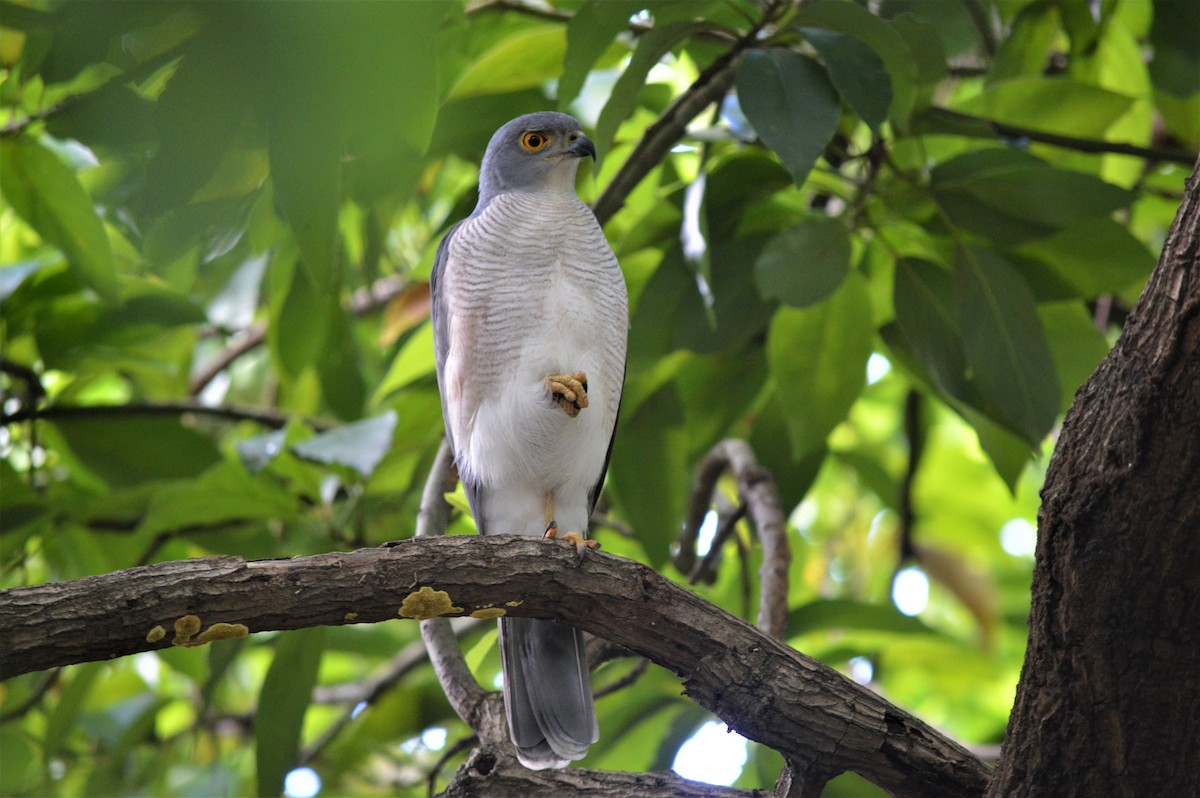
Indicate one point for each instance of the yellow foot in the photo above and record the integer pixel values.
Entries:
(569, 391)
(580, 543)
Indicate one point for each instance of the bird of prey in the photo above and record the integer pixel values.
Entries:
(530, 319)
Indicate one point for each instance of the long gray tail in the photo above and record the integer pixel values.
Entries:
(547, 691)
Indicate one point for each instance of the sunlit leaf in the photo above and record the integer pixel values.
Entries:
(1096, 256)
(48, 195)
(1061, 105)
(623, 98)
(589, 33)
(359, 445)
(834, 614)
(520, 61)
(791, 103)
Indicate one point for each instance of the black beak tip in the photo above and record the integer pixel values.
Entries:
(581, 146)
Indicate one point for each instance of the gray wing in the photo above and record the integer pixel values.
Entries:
(440, 308)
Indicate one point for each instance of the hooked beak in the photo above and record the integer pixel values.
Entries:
(581, 145)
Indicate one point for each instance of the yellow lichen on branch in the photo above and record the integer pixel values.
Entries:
(427, 603)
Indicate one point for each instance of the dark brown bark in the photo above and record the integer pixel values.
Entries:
(1109, 700)
(767, 691)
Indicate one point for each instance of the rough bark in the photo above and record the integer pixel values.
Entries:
(767, 691)
(1108, 700)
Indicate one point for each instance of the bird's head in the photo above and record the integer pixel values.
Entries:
(535, 152)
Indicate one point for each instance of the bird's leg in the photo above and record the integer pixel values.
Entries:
(569, 391)
(580, 543)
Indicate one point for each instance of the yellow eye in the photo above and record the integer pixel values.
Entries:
(533, 141)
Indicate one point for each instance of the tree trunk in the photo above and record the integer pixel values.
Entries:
(1109, 699)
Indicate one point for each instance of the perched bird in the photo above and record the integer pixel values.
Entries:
(530, 320)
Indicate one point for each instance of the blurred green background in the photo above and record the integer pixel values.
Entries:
(864, 259)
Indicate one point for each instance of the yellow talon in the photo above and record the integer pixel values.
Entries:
(580, 543)
(569, 391)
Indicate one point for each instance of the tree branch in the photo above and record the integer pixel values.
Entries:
(665, 133)
(944, 120)
(756, 489)
(268, 418)
(759, 686)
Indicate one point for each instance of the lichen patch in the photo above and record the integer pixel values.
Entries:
(222, 631)
(487, 613)
(156, 634)
(427, 603)
(185, 629)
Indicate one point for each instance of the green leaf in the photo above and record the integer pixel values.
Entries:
(360, 445)
(1025, 50)
(300, 316)
(305, 156)
(649, 472)
(833, 614)
(1176, 64)
(1075, 343)
(1059, 105)
(47, 194)
(818, 359)
(196, 117)
(740, 314)
(64, 717)
(521, 61)
(339, 369)
(623, 98)
(791, 103)
(286, 694)
(414, 361)
(1008, 452)
(129, 450)
(1051, 196)
(856, 71)
(223, 494)
(589, 33)
(882, 37)
(1096, 256)
(805, 263)
(927, 313)
(1005, 345)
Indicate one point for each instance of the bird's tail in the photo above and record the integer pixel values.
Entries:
(547, 691)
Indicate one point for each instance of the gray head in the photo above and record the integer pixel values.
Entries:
(533, 152)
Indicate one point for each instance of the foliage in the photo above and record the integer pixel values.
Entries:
(214, 209)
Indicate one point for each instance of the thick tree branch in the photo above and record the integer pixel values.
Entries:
(1113, 663)
(759, 686)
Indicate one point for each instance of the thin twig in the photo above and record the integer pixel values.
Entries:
(463, 692)
(634, 674)
(915, 434)
(48, 680)
(756, 490)
(935, 119)
(451, 752)
(268, 418)
(665, 133)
